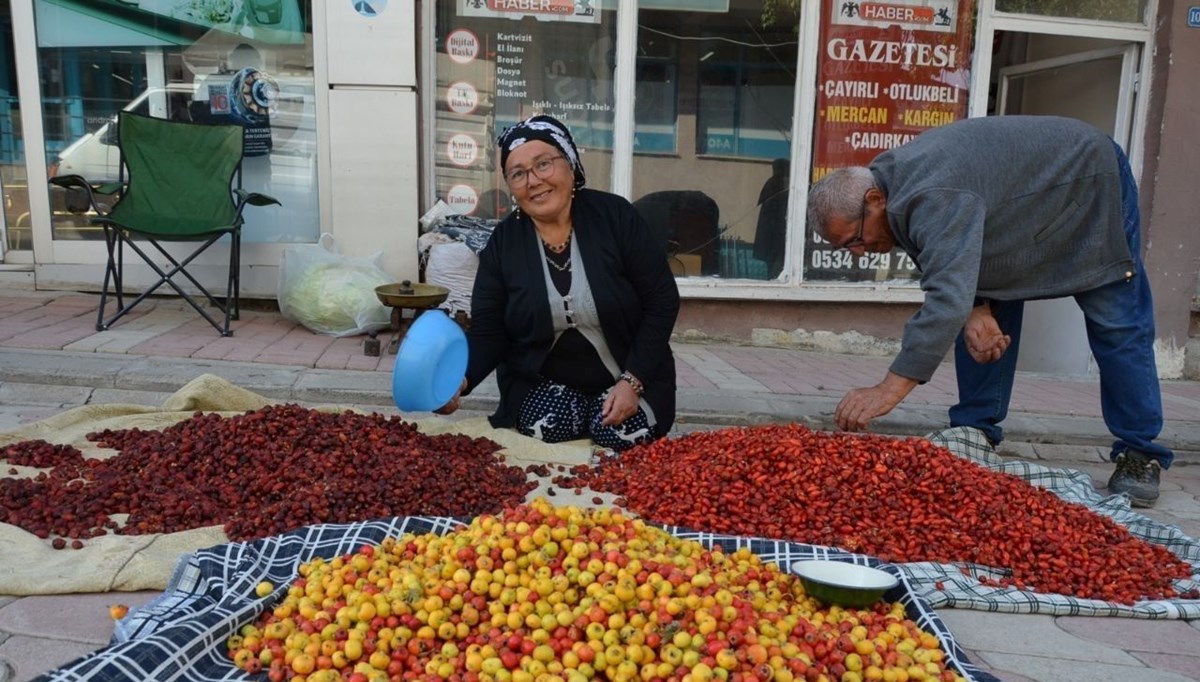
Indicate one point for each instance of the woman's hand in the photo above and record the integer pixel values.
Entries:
(452, 406)
(620, 404)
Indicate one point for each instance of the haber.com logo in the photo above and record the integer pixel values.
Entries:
(932, 15)
(526, 6)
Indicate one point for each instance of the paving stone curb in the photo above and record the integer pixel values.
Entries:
(367, 388)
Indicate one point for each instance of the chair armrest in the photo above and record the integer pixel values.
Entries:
(69, 181)
(256, 198)
(78, 181)
(252, 199)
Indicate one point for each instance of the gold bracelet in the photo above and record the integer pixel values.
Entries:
(634, 383)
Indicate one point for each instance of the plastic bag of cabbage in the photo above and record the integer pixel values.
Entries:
(330, 293)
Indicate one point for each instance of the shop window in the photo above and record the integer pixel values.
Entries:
(1128, 11)
(714, 85)
(721, 198)
(206, 61)
(745, 104)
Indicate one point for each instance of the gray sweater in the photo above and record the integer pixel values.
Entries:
(1007, 208)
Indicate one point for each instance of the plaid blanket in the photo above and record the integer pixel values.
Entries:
(965, 591)
(181, 634)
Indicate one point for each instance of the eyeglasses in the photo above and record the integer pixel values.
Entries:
(862, 222)
(542, 168)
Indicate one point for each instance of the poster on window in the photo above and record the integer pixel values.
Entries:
(505, 49)
(248, 99)
(501, 61)
(887, 72)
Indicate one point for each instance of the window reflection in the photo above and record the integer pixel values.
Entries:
(656, 103)
(247, 63)
(713, 136)
(14, 187)
(745, 102)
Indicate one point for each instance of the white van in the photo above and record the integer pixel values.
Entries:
(95, 155)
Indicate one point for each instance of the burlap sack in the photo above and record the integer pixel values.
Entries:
(30, 565)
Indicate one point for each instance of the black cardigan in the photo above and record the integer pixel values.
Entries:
(511, 329)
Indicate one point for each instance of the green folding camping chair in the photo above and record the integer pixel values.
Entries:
(178, 182)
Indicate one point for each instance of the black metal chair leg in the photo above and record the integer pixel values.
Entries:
(109, 276)
(236, 269)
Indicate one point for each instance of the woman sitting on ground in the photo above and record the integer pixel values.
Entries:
(573, 304)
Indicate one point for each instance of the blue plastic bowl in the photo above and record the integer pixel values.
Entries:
(430, 363)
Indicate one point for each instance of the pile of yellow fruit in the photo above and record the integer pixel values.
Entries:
(563, 594)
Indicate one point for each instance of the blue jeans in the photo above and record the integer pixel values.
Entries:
(1120, 330)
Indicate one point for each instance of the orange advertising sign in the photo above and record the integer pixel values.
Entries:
(887, 72)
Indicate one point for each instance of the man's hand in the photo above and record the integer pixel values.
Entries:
(861, 405)
(620, 404)
(984, 340)
(452, 406)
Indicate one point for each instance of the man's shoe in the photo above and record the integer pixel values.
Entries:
(1137, 476)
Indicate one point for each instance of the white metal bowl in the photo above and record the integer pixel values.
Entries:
(843, 583)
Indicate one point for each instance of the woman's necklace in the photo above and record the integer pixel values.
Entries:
(559, 248)
(555, 251)
(553, 259)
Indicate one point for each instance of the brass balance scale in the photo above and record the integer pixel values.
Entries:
(399, 297)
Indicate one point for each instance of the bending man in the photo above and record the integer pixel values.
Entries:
(997, 211)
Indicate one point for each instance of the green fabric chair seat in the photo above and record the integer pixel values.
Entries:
(170, 228)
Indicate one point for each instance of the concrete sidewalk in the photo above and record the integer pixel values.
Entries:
(52, 359)
(50, 338)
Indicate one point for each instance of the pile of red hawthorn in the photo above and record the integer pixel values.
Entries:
(901, 500)
(258, 474)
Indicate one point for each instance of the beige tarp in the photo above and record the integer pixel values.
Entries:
(30, 565)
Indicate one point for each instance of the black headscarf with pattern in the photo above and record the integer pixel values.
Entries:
(546, 129)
